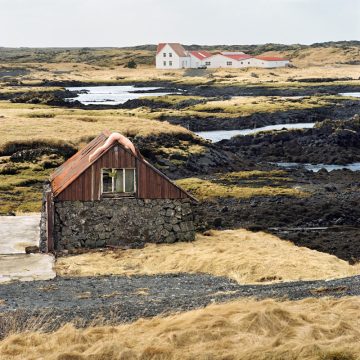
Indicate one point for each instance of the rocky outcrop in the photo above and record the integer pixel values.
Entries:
(124, 222)
(330, 142)
(195, 123)
(180, 161)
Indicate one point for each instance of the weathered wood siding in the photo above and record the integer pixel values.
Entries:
(150, 183)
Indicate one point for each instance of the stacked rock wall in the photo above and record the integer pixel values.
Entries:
(122, 222)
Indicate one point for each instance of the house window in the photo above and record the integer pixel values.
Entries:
(242, 63)
(164, 54)
(116, 181)
(229, 63)
(249, 62)
(207, 63)
(170, 54)
(170, 63)
(164, 63)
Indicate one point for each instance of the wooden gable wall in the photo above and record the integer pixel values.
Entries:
(150, 183)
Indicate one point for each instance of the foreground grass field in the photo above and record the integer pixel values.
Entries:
(323, 329)
(244, 256)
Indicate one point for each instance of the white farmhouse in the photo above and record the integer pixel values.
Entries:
(174, 56)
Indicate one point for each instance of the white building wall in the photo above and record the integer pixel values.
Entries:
(244, 63)
(221, 61)
(195, 62)
(171, 60)
(270, 64)
(185, 62)
(218, 61)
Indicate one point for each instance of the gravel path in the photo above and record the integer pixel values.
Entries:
(121, 299)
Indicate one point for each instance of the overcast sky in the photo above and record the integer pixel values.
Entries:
(37, 23)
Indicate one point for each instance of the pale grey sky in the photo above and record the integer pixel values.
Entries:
(38, 23)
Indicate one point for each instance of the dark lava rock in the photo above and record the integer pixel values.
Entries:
(330, 142)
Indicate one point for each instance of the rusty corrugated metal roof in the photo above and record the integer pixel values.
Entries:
(65, 174)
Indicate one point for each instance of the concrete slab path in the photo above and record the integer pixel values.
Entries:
(16, 233)
(26, 267)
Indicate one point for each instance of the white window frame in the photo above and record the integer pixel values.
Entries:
(170, 63)
(164, 54)
(229, 63)
(164, 63)
(113, 181)
(207, 63)
(170, 54)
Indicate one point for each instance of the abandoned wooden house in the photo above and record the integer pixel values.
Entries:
(107, 194)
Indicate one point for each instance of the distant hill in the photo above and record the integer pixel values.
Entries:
(332, 52)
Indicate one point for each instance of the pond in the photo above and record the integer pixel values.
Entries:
(217, 135)
(318, 167)
(111, 95)
(354, 94)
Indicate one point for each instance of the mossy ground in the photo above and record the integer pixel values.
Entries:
(244, 184)
(21, 190)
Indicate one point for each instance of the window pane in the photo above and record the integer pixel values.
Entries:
(106, 180)
(119, 182)
(129, 180)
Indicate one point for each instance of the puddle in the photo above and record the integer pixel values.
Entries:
(354, 94)
(318, 167)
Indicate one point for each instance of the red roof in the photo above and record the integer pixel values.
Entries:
(178, 48)
(71, 169)
(160, 47)
(238, 57)
(270, 58)
(202, 54)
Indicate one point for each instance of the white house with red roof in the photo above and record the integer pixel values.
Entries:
(174, 56)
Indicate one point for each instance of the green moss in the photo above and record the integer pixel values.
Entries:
(22, 192)
(205, 189)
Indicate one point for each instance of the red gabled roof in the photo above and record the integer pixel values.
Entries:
(270, 58)
(202, 54)
(71, 169)
(178, 48)
(238, 57)
(160, 47)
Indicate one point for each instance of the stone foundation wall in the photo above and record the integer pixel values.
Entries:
(122, 222)
(43, 245)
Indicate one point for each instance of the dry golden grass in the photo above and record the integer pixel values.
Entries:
(315, 62)
(311, 329)
(246, 106)
(50, 124)
(244, 256)
(319, 56)
(243, 106)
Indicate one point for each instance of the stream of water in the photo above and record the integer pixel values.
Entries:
(217, 135)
